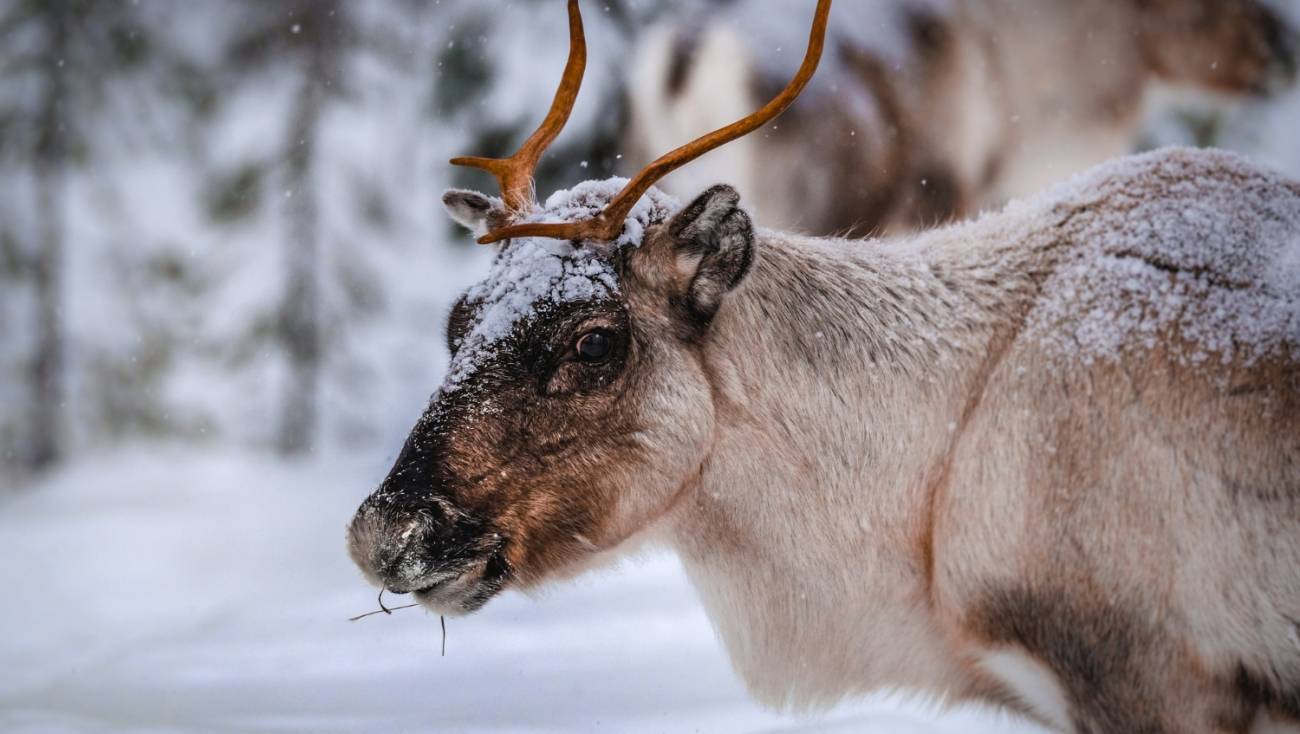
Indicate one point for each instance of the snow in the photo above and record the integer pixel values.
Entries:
(536, 271)
(1213, 258)
(207, 589)
(587, 199)
(193, 591)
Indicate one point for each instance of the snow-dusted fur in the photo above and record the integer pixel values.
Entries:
(1048, 458)
(928, 110)
(931, 457)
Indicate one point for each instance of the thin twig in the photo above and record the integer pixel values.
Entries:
(388, 610)
(381, 608)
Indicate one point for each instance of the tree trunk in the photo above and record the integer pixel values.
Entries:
(47, 365)
(47, 369)
(300, 318)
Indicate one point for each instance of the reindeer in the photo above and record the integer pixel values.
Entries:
(931, 111)
(1049, 458)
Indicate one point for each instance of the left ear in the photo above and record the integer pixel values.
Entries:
(714, 241)
(474, 211)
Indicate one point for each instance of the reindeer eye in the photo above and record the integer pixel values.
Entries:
(594, 346)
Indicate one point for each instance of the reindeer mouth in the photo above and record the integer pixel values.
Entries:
(467, 591)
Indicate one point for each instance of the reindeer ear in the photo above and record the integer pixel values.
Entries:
(714, 242)
(474, 211)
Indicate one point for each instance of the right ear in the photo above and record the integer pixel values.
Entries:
(474, 211)
(713, 241)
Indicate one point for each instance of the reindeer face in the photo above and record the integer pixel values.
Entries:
(574, 411)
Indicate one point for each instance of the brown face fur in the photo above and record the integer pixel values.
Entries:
(550, 447)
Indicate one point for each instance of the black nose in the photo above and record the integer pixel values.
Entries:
(406, 548)
(395, 546)
(412, 533)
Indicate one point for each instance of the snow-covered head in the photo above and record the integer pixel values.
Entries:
(540, 273)
(574, 409)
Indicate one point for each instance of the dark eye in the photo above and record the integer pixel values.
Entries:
(594, 346)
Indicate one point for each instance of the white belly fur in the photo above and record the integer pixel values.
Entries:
(1029, 681)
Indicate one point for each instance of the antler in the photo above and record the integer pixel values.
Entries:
(609, 223)
(515, 174)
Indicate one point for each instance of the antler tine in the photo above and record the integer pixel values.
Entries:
(609, 223)
(515, 174)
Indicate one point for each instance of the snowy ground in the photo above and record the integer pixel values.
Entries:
(178, 591)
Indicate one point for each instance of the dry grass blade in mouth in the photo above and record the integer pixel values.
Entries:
(389, 610)
(383, 609)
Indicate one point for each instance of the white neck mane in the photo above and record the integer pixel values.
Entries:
(791, 483)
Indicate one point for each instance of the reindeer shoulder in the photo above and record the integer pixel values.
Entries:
(1203, 241)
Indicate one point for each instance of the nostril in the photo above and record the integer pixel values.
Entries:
(405, 560)
(412, 527)
(387, 544)
(406, 548)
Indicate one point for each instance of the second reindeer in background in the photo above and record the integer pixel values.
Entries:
(928, 111)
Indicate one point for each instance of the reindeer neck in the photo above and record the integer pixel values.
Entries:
(841, 372)
(845, 365)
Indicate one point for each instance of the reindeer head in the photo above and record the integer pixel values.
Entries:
(575, 409)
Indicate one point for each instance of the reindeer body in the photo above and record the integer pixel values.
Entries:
(1049, 458)
(921, 478)
(927, 111)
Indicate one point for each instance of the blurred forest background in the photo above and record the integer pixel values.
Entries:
(219, 222)
(224, 274)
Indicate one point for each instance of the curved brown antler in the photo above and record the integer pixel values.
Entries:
(515, 174)
(609, 223)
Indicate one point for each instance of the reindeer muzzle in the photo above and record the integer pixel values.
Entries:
(451, 561)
